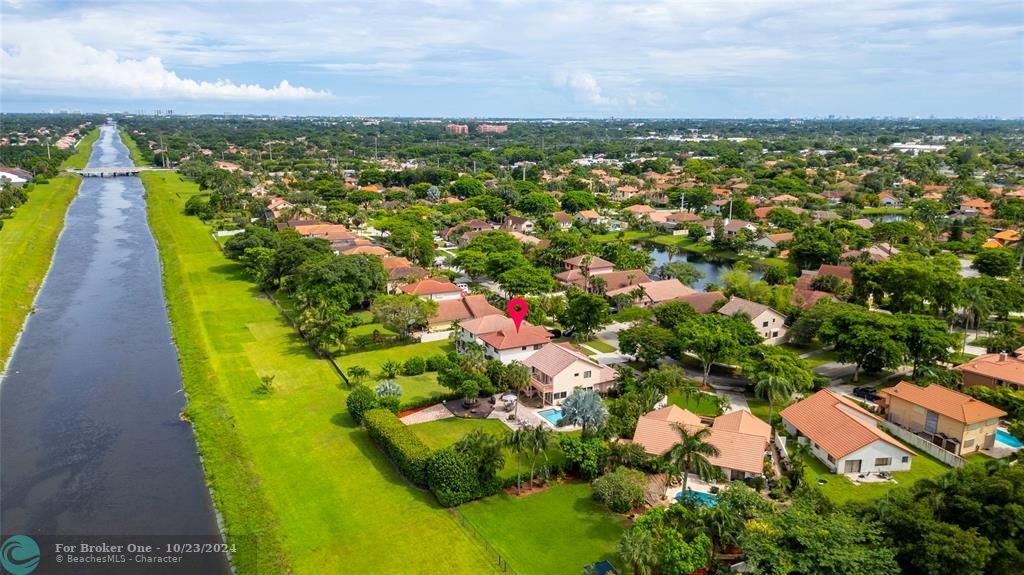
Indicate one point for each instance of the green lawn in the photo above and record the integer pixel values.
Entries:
(414, 387)
(841, 490)
(704, 405)
(599, 346)
(289, 471)
(628, 235)
(759, 407)
(558, 530)
(442, 433)
(133, 148)
(27, 242)
(83, 151)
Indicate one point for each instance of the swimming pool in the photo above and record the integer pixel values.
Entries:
(699, 498)
(1007, 439)
(553, 416)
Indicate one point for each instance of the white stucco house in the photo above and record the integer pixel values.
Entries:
(844, 436)
(498, 336)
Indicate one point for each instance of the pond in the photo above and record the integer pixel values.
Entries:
(711, 267)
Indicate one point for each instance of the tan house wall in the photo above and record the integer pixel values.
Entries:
(972, 379)
(972, 437)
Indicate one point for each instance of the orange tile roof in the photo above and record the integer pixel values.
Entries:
(702, 301)
(658, 291)
(500, 332)
(367, 250)
(948, 402)
(836, 424)
(430, 286)
(553, 359)
(656, 431)
(997, 366)
(465, 307)
(742, 421)
(639, 208)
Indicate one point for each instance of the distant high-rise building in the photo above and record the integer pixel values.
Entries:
(457, 129)
(492, 128)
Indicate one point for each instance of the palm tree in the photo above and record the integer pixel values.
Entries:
(485, 450)
(721, 525)
(692, 452)
(773, 387)
(637, 549)
(538, 441)
(598, 285)
(518, 442)
(358, 373)
(672, 251)
(585, 409)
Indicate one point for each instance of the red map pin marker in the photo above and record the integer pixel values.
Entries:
(517, 310)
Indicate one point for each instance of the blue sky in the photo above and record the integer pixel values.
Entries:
(518, 58)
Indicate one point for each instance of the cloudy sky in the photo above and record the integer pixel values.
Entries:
(518, 58)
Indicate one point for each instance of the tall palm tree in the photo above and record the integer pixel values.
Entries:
(485, 450)
(690, 394)
(638, 550)
(519, 443)
(772, 388)
(692, 452)
(538, 441)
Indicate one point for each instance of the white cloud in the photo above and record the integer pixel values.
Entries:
(584, 87)
(35, 63)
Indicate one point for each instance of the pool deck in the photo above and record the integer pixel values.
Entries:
(529, 417)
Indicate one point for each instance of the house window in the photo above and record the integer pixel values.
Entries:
(537, 346)
(524, 348)
(883, 461)
(969, 443)
(765, 323)
(775, 333)
(575, 375)
(587, 374)
(831, 459)
(561, 394)
(905, 459)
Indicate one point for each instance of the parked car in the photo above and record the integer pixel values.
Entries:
(866, 392)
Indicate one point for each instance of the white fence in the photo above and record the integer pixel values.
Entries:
(918, 442)
(780, 444)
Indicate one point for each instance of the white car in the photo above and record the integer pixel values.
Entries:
(463, 287)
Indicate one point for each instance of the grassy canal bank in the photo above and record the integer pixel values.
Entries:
(291, 472)
(27, 243)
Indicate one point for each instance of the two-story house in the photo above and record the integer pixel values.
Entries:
(517, 224)
(557, 370)
(769, 323)
(498, 336)
(952, 420)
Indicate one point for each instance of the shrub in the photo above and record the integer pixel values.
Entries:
(621, 490)
(451, 478)
(390, 403)
(390, 369)
(437, 362)
(399, 444)
(585, 457)
(359, 401)
(388, 388)
(414, 366)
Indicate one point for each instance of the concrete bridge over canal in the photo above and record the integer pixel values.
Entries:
(113, 172)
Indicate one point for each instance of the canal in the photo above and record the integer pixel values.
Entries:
(90, 429)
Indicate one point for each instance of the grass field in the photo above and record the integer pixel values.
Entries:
(558, 530)
(289, 470)
(414, 387)
(133, 148)
(841, 490)
(27, 242)
(704, 405)
(444, 432)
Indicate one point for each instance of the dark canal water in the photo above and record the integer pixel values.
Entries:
(90, 432)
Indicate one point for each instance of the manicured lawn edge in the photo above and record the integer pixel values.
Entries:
(133, 148)
(238, 497)
(28, 241)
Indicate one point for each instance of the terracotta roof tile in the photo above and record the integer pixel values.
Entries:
(948, 402)
(837, 425)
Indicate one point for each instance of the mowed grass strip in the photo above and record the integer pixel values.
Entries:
(27, 243)
(559, 530)
(290, 468)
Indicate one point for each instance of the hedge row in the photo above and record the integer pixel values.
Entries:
(399, 444)
(453, 481)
